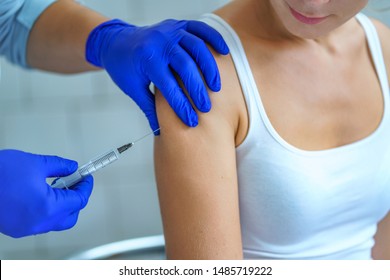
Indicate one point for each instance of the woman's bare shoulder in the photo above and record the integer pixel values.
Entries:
(382, 28)
(226, 104)
(384, 35)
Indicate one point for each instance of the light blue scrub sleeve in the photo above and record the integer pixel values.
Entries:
(16, 20)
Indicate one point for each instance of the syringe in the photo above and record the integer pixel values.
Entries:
(94, 165)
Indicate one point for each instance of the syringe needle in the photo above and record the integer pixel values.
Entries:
(128, 146)
(146, 135)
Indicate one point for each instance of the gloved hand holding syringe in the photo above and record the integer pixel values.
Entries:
(95, 164)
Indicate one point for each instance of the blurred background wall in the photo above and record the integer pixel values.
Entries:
(379, 9)
(81, 116)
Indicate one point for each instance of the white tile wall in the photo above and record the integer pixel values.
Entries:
(151, 11)
(79, 117)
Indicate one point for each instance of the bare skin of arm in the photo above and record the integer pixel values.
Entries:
(57, 39)
(381, 249)
(197, 178)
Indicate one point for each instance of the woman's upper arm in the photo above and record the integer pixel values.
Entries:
(197, 183)
(384, 34)
(381, 249)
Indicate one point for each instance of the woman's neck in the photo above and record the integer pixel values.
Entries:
(256, 18)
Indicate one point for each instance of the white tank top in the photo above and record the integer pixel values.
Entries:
(297, 204)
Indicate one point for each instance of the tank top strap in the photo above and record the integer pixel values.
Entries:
(243, 70)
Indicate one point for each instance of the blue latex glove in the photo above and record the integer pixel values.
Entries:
(135, 56)
(28, 205)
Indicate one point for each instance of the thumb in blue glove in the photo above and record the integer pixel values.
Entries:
(28, 205)
(136, 56)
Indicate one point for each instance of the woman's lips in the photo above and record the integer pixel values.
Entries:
(305, 19)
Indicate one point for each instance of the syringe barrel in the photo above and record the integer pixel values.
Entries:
(99, 162)
(87, 169)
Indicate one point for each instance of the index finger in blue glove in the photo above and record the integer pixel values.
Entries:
(204, 59)
(165, 81)
(55, 166)
(209, 35)
(184, 66)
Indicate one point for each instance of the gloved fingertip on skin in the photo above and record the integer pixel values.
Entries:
(215, 85)
(193, 120)
(225, 49)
